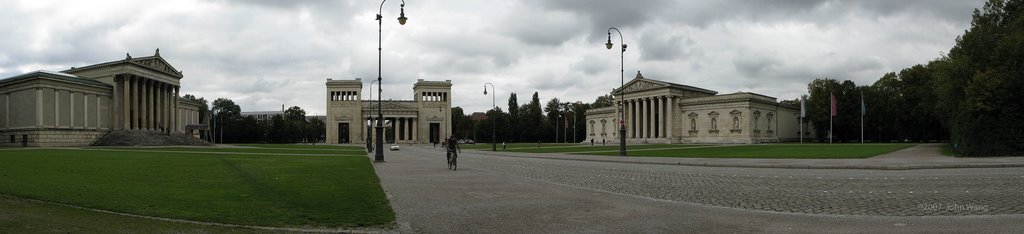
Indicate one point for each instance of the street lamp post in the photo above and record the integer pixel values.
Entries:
(494, 144)
(622, 71)
(378, 156)
(369, 123)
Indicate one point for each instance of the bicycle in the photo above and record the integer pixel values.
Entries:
(453, 158)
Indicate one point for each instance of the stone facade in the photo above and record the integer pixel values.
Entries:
(76, 106)
(667, 113)
(350, 119)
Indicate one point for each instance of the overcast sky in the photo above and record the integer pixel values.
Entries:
(268, 53)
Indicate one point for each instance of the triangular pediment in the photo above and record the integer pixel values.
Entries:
(641, 84)
(158, 64)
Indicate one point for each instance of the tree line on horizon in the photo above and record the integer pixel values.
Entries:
(227, 125)
(970, 97)
(556, 121)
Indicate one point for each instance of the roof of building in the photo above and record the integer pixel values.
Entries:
(639, 77)
(478, 116)
(155, 63)
(55, 76)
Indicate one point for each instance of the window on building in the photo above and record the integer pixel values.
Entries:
(714, 123)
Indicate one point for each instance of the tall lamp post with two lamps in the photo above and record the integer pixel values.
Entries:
(494, 144)
(378, 156)
(622, 71)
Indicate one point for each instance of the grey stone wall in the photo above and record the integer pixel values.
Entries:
(48, 137)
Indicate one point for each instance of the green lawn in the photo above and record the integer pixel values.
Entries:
(771, 151)
(22, 216)
(350, 151)
(267, 190)
(947, 150)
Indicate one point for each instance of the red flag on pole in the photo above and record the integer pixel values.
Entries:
(834, 112)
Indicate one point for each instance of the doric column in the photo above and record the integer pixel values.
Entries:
(151, 114)
(656, 117)
(642, 132)
(661, 117)
(133, 99)
(414, 131)
(126, 109)
(152, 104)
(167, 108)
(638, 115)
(670, 117)
(631, 119)
(643, 118)
(144, 104)
(159, 95)
(408, 130)
(176, 116)
(650, 117)
(156, 105)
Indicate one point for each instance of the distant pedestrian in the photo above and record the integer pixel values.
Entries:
(591, 142)
(502, 145)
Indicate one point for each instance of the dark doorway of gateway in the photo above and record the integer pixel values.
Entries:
(435, 132)
(343, 133)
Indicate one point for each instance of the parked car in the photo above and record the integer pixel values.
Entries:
(394, 147)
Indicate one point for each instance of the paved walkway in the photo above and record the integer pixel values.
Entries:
(530, 195)
(924, 156)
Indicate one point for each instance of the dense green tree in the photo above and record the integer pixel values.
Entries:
(295, 113)
(553, 129)
(979, 84)
(603, 101)
(462, 125)
(278, 132)
(512, 134)
(317, 130)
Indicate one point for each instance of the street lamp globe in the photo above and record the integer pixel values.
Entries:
(609, 44)
(401, 17)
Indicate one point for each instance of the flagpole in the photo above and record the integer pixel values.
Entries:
(831, 114)
(862, 118)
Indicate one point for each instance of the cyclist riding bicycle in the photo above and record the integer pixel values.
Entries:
(452, 147)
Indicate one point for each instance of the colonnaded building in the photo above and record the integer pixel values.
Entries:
(426, 119)
(77, 106)
(668, 113)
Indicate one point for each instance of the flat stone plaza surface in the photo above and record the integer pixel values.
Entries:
(494, 193)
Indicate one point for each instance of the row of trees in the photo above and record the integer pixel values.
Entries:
(972, 96)
(556, 121)
(229, 126)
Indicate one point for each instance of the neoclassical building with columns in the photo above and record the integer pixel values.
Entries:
(668, 113)
(425, 119)
(75, 107)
